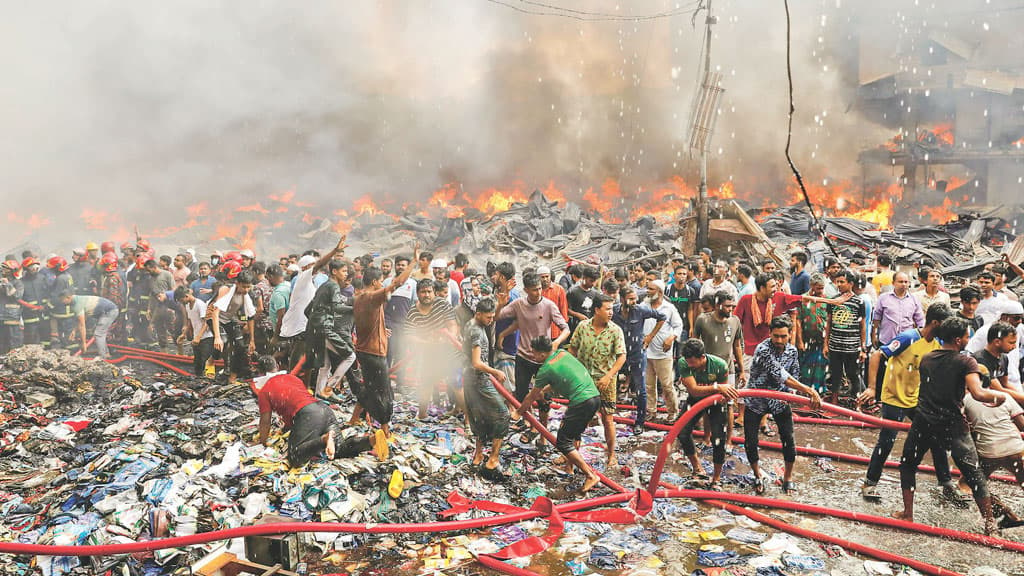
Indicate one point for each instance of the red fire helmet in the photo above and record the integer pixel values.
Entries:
(233, 256)
(12, 266)
(231, 269)
(108, 263)
(57, 263)
(107, 248)
(30, 261)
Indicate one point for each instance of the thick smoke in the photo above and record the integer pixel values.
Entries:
(143, 108)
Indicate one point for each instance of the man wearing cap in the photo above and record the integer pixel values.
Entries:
(659, 351)
(439, 268)
(293, 325)
(1011, 312)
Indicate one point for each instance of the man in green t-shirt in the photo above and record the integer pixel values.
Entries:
(566, 376)
(704, 374)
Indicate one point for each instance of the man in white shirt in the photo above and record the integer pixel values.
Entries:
(997, 438)
(719, 281)
(660, 371)
(1012, 313)
(293, 325)
(195, 329)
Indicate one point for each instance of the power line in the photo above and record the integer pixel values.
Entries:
(590, 16)
(789, 138)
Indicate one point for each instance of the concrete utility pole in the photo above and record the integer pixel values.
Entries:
(702, 125)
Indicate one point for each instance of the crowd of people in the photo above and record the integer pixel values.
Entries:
(663, 334)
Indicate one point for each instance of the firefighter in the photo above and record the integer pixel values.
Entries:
(140, 288)
(83, 272)
(11, 292)
(62, 319)
(112, 287)
(92, 253)
(34, 314)
(127, 256)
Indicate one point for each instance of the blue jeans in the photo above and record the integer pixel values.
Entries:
(886, 439)
(635, 372)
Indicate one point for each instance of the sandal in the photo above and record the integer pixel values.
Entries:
(528, 436)
(492, 474)
(759, 486)
(767, 429)
(788, 487)
(870, 492)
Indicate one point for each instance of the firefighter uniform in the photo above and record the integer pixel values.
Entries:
(11, 335)
(34, 313)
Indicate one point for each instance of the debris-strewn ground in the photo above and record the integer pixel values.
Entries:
(175, 452)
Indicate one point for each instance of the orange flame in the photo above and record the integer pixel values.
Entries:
(943, 134)
(95, 219)
(257, 207)
(366, 205)
(243, 235)
(940, 214)
(445, 198)
(32, 222)
(602, 203)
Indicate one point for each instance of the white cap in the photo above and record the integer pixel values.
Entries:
(439, 263)
(248, 254)
(543, 270)
(294, 268)
(657, 284)
(1011, 308)
(307, 260)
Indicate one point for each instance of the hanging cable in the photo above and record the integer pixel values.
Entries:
(789, 138)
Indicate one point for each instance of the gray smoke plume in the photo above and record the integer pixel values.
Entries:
(143, 108)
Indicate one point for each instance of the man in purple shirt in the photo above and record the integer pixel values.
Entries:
(895, 312)
(532, 316)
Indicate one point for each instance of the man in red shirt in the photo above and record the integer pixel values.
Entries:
(756, 311)
(314, 428)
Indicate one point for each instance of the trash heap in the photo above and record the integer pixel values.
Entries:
(961, 247)
(166, 455)
(537, 231)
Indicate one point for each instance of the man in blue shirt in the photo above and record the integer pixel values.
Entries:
(630, 317)
(505, 353)
(202, 287)
(800, 281)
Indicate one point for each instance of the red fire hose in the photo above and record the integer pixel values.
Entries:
(750, 499)
(816, 452)
(151, 360)
(547, 434)
(153, 353)
(87, 344)
(297, 527)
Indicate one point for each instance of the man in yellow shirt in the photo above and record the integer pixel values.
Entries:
(883, 279)
(900, 386)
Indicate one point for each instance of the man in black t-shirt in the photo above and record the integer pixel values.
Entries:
(581, 297)
(939, 422)
(684, 298)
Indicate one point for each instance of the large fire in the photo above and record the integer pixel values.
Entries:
(611, 201)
